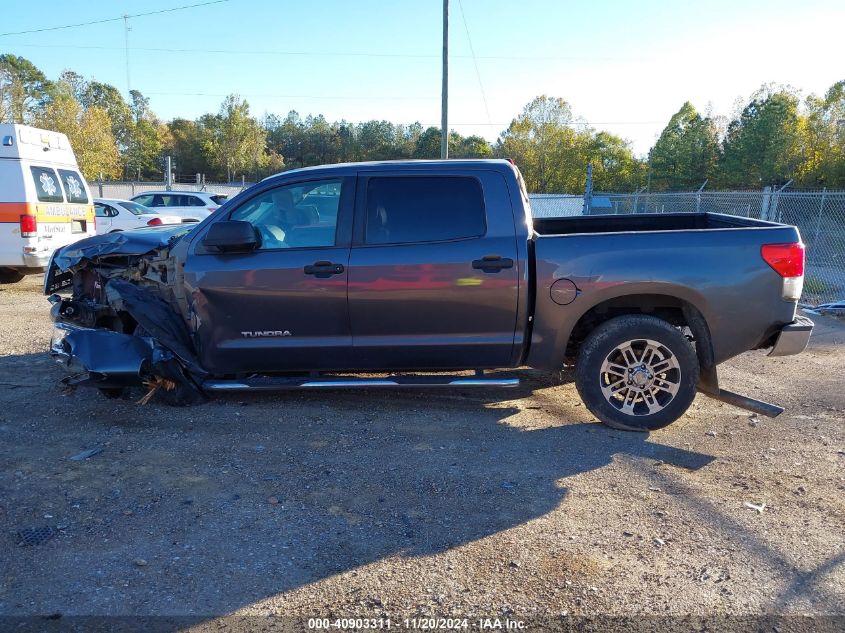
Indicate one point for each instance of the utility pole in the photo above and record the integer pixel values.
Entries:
(444, 106)
(126, 30)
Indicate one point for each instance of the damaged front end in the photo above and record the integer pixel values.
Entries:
(124, 322)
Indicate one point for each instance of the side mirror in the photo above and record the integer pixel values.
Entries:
(231, 236)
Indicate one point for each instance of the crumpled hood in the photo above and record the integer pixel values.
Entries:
(134, 242)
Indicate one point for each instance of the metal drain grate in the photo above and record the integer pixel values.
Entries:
(35, 535)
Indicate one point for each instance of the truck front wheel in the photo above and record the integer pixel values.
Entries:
(637, 373)
(10, 276)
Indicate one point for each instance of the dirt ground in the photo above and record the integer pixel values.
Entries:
(418, 503)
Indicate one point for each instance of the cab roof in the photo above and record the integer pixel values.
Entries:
(419, 165)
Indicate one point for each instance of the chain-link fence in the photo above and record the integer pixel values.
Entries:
(820, 216)
(125, 190)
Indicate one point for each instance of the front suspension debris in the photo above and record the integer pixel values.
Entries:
(154, 384)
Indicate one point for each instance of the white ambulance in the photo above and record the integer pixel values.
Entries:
(44, 200)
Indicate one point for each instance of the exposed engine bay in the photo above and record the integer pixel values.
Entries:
(125, 321)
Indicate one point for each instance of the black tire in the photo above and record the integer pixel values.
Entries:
(10, 276)
(656, 392)
(181, 396)
(183, 393)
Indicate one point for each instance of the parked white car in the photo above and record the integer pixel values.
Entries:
(191, 206)
(122, 215)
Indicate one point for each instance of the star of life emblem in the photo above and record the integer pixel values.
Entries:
(74, 187)
(47, 184)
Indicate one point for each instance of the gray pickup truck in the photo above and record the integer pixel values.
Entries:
(414, 273)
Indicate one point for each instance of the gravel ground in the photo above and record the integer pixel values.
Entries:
(414, 503)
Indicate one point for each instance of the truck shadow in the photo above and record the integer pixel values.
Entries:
(245, 498)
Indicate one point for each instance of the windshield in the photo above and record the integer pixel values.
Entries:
(137, 209)
(219, 199)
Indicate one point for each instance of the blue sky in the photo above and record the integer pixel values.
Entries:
(623, 66)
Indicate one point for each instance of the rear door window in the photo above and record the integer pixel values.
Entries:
(74, 186)
(145, 200)
(402, 210)
(47, 187)
(174, 200)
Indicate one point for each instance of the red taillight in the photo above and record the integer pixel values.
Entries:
(211, 208)
(786, 259)
(154, 222)
(29, 226)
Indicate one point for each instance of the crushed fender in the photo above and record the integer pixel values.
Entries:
(125, 322)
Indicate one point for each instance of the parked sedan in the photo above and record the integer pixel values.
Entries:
(122, 215)
(191, 206)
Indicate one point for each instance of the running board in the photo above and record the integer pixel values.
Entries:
(744, 402)
(270, 383)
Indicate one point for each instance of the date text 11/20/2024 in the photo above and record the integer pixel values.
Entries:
(431, 624)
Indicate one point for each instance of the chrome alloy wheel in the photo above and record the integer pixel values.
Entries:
(640, 377)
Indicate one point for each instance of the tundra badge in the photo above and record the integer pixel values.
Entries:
(263, 333)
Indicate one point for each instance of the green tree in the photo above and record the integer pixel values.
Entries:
(824, 154)
(552, 150)
(148, 140)
(287, 137)
(97, 151)
(24, 90)
(762, 145)
(237, 141)
(543, 144)
(614, 166)
(686, 153)
(189, 140)
(470, 147)
(322, 141)
(89, 133)
(376, 140)
(109, 98)
(74, 83)
(143, 155)
(428, 144)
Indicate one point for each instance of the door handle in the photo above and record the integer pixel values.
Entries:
(492, 263)
(323, 269)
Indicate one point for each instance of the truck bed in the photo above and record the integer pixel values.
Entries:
(644, 222)
(710, 261)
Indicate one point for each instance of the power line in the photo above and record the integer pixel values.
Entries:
(221, 51)
(474, 60)
(280, 96)
(117, 19)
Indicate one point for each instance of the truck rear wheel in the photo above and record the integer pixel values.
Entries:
(637, 373)
(10, 276)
